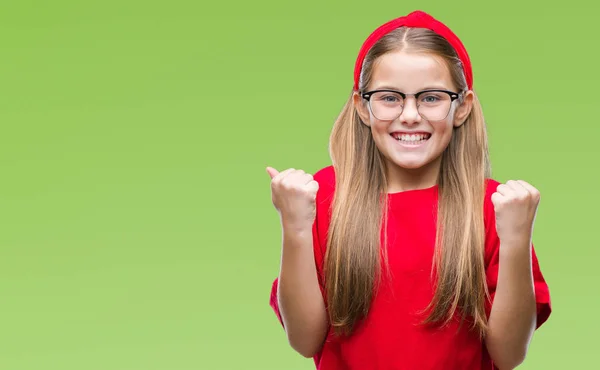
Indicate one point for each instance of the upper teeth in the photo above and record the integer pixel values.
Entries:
(405, 137)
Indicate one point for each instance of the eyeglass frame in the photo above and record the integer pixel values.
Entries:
(453, 96)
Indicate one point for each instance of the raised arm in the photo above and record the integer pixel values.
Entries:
(299, 297)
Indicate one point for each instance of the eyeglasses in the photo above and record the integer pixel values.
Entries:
(433, 105)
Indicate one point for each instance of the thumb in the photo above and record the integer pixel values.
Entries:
(272, 172)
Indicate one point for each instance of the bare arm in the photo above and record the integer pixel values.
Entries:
(300, 301)
(299, 298)
(513, 315)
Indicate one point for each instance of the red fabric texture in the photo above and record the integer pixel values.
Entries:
(391, 336)
(417, 19)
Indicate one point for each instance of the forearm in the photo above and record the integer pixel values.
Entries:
(513, 315)
(300, 301)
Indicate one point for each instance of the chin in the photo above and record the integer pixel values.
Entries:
(410, 165)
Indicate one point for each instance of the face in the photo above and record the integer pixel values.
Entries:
(411, 141)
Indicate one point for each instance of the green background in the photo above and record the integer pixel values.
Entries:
(137, 230)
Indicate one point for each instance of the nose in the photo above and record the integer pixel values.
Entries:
(410, 114)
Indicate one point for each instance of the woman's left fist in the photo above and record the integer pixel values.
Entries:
(515, 205)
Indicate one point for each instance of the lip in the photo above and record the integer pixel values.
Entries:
(410, 145)
(410, 133)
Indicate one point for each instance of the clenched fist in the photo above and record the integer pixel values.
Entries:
(515, 205)
(294, 194)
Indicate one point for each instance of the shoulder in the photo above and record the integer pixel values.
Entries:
(488, 207)
(490, 188)
(489, 218)
(325, 177)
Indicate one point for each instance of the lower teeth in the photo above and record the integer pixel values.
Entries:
(412, 142)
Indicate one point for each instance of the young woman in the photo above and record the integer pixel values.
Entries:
(404, 253)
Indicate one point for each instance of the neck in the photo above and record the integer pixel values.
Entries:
(404, 179)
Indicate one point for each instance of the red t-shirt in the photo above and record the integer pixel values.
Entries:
(390, 337)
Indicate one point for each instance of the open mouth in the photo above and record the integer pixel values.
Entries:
(411, 139)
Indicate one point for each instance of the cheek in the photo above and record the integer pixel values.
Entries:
(444, 129)
(379, 130)
(444, 132)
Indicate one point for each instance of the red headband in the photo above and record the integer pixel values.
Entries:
(421, 20)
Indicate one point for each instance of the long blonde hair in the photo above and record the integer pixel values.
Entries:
(353, 265)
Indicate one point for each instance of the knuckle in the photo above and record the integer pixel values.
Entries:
(287, 185)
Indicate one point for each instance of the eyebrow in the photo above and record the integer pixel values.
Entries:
(429, 87)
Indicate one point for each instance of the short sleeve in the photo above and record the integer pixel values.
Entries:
(492, 246)
(325, 178)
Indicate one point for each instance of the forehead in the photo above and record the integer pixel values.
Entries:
(410, 72)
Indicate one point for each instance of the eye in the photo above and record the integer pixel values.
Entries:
(388, 97)
(432, 98)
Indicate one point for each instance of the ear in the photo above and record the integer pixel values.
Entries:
(463, 110)
(362, 108)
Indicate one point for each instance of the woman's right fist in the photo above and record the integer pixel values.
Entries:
(294, 194)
